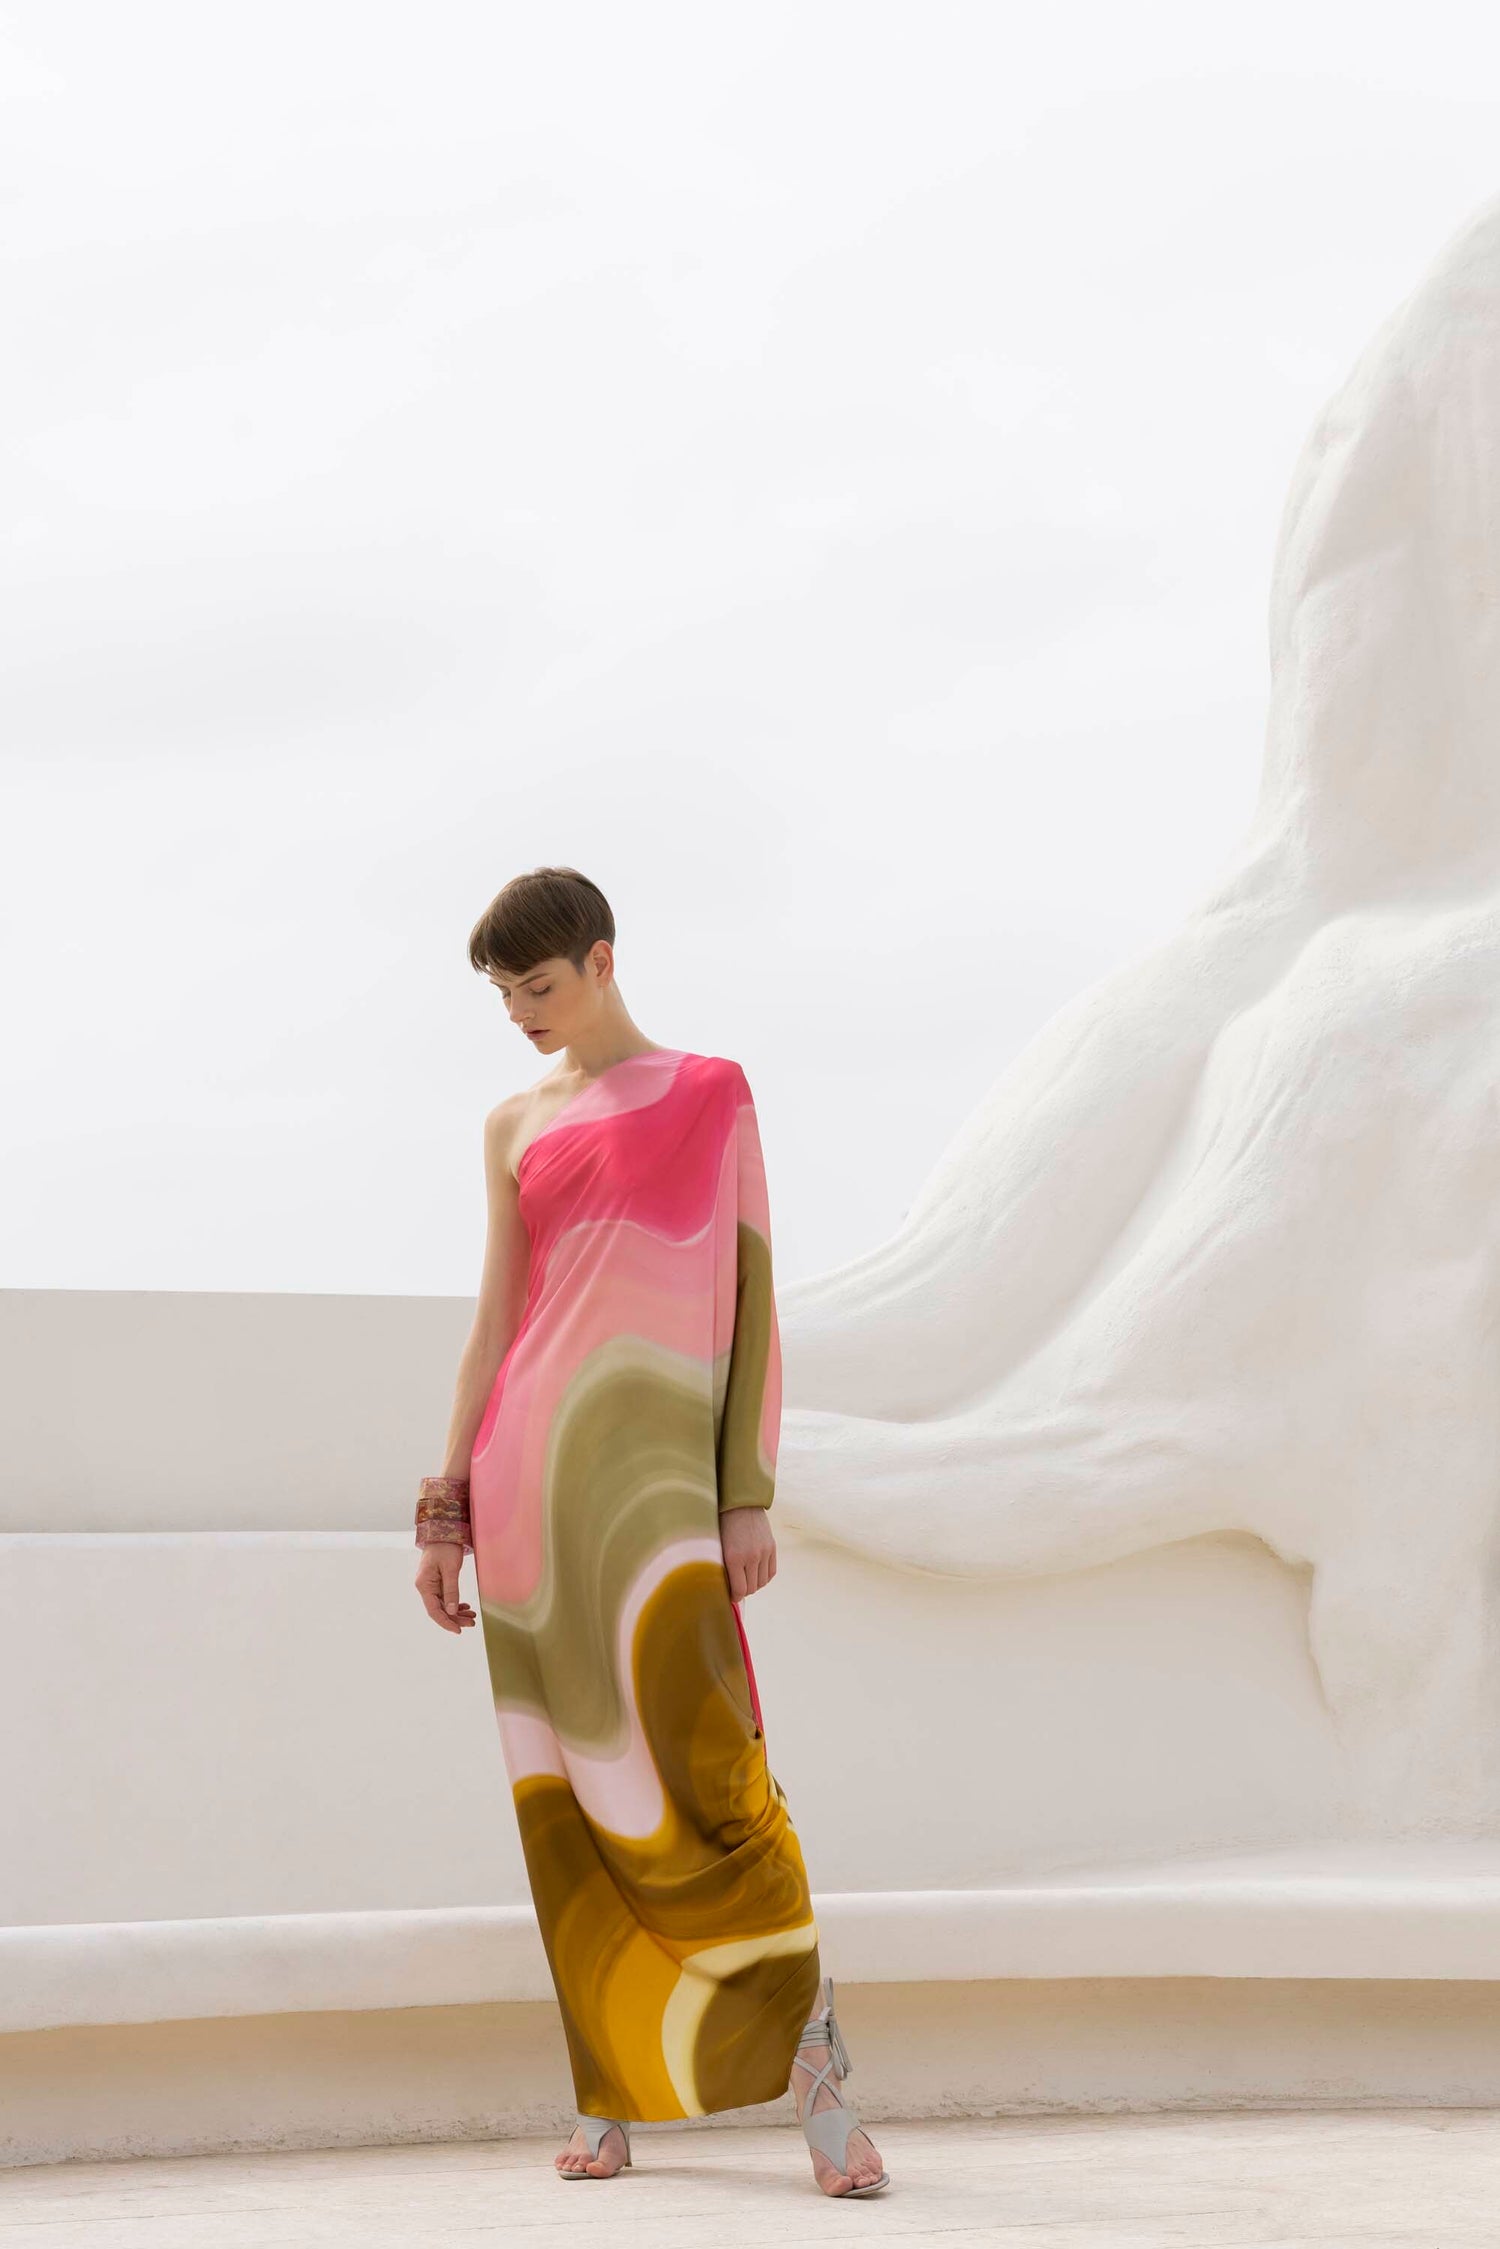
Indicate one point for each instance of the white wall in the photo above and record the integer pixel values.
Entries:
(234, 1703)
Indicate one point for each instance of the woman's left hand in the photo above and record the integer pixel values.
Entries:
(749, 1545)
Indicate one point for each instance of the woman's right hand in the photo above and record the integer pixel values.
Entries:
(437, 1583)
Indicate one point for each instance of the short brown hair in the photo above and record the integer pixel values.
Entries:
(552, 913)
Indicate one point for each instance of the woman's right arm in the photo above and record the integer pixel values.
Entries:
(497, 1316)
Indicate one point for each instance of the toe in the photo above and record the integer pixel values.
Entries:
(864, 2160)
(829, 2177)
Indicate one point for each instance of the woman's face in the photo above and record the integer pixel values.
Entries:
(553, 1003)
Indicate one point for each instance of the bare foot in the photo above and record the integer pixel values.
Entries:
(575, 2156)
(862, 2155)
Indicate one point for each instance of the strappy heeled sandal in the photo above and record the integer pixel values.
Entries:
(829, 2131)
(594, 2129)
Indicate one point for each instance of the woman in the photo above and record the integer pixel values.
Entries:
(610, 1464)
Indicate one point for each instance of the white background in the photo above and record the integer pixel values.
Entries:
(815, 468)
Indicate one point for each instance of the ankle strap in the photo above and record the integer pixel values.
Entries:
(823, 2030)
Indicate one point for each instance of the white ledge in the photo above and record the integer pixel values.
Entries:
(1429, 1923)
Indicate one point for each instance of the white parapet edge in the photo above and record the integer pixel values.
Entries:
(1364, 1926)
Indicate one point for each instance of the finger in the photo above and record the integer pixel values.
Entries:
(431, 1605)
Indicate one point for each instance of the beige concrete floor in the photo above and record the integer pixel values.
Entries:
(1364, 2179)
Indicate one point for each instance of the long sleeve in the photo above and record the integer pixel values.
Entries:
(750, 1429)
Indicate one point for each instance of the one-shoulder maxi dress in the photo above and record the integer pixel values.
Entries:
(640, 1398)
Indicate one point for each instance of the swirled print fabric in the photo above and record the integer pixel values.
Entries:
(639, 1399)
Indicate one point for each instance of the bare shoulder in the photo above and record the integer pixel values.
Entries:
(504, 1136)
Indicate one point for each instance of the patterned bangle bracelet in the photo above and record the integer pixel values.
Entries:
(442, 1495)
(443, 1512)
(441, 1533)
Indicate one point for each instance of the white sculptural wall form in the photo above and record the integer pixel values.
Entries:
(1219, 1250)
